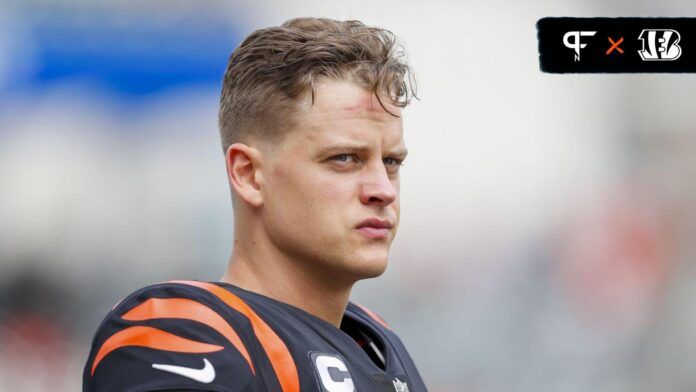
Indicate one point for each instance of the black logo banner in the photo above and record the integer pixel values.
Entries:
(617, 45)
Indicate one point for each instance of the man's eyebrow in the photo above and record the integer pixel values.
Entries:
(400, 152)
(343, 148)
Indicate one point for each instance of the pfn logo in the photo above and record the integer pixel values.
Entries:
(662, 45)
(576, 45)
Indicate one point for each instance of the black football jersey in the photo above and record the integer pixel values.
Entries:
(197, 336)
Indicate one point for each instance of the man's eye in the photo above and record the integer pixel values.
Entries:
(344, 158)
(392, 161)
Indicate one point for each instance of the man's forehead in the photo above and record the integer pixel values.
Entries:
(349, 97)
(344, 113)
(370, 103)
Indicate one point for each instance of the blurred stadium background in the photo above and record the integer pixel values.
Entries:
(547, 238)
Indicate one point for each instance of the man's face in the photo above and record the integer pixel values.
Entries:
(331, 187)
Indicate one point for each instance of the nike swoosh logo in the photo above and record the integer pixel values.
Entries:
(205, 375)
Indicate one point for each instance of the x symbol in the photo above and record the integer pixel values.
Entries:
(615, 45)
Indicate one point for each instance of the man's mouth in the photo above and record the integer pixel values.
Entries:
(375, 228)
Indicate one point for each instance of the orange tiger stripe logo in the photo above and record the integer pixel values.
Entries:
(141, 336)
(182, 308)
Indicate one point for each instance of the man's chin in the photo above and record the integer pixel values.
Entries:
(369, 267)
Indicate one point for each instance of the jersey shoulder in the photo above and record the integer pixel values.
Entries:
(172, 336)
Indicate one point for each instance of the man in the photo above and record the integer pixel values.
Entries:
(310, 119)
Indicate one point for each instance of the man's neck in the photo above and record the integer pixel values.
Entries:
(290, 282)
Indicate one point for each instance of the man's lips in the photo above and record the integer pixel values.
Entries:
(375, 228)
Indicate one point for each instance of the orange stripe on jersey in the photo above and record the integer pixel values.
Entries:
(152, 338)
(277, 351)
(373, 315)
(182, 308)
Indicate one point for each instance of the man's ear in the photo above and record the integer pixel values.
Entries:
(244, 174)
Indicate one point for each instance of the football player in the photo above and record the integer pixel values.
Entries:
(311, 127)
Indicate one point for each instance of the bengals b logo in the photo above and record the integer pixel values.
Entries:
(660, 45)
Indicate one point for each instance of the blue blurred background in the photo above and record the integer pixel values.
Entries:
(547, 236)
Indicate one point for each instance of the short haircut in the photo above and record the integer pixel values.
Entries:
(275, 67)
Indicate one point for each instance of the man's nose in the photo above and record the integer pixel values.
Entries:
(377, 187)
